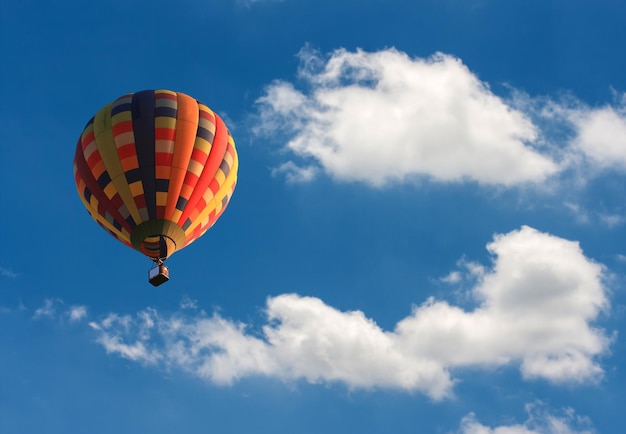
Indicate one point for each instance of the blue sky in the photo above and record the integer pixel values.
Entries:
(426, 235)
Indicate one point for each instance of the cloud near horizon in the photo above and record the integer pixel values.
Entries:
(383, 117)
(535, 308)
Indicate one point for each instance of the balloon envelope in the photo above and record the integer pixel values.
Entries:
(156, 169)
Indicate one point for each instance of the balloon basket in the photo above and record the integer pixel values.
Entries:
(158, 275)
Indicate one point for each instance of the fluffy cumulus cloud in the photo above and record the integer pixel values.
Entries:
(601, 134)
(536, 304)
(385, 117)
(540, 421)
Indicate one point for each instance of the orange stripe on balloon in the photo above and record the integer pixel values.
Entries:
(186, 129)
(220, 143)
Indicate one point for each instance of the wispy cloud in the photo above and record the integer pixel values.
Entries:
(452, 277)
(54, 308)
(188, 303)
(541, 420)
(294, 173)
(49, 308)
(535, 308)
(252, 2)
(77, 313)
(594, 217)
(7, 272)
(136, 351)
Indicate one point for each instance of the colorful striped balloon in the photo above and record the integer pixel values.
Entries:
(156, 169)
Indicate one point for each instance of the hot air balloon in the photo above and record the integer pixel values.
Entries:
(156, 169)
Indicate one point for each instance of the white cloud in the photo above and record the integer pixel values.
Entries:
(49, 309)
(55, 309)
(140, 328)
(594, 137)
(611, 220)
(294, 173)
(384, 117)
(536, 304)
(601, 135)
(77, 313)
(187, 303)
(452, 277)
(540, 421)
